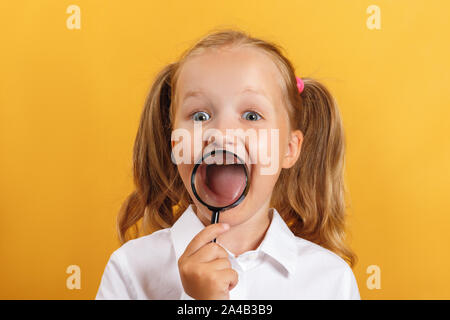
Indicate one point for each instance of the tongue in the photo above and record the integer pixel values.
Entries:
(226, 181)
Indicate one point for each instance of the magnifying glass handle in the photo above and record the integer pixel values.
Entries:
(215, 219)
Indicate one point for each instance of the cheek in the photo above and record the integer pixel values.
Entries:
(185, 171)
(266, 170)
(186, 146)
(264, 183)
(270, 150)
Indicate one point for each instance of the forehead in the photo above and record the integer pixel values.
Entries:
(219, 73)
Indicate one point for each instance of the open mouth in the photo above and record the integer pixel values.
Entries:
(221, 183)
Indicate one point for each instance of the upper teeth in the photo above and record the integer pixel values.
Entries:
(220, 159)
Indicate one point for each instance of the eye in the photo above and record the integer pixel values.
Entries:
(252, 115)
(200, 116)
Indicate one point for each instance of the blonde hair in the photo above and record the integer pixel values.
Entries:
(309, 196)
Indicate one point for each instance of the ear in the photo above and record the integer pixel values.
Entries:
(293, 149)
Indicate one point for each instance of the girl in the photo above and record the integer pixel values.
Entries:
(286, 239)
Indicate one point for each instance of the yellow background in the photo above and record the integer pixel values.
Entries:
(71, 100)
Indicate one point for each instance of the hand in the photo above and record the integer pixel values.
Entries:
(205, 269)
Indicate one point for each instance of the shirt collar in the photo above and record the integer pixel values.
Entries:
(279, 242)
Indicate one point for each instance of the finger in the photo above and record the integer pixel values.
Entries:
(209, 252)
(229, 276)
(220, 264)
(206, 235)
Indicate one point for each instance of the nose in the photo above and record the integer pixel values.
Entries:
(221, 141)
(224, 127)
(216, 139)
(230, 142)
(225, 132)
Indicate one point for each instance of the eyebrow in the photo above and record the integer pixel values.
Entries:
(196, 93)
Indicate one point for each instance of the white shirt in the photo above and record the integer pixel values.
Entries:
(282, 267)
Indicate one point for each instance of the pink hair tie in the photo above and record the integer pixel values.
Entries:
(300, 84)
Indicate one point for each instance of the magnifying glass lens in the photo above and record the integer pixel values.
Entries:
(220, 179)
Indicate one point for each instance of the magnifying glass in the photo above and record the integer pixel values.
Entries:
(219, 180)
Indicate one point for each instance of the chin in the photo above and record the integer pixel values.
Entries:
(239, 214)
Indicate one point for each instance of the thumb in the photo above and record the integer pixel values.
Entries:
(232, 285)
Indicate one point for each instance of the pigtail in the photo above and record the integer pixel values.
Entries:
(158, 185)
(314, 207)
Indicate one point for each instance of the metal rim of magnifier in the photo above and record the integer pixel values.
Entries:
(194, 172)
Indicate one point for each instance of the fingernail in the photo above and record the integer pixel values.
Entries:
(226, 226)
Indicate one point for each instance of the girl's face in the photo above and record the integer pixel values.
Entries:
(229, 90)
